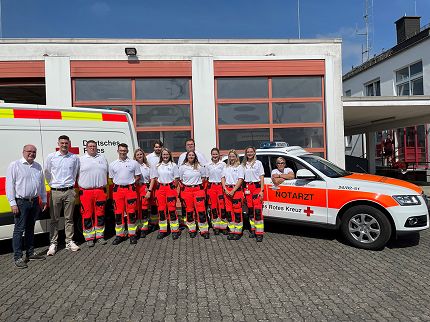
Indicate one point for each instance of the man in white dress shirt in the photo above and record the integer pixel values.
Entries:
(93, 173)
(25, 184)
(61, 169)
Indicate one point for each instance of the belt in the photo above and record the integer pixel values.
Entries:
(62, 189)
(29, 199)
(232, 186)
(124, 185)
(194, 186)
(256, 183)
(97, 188)
(166, 184)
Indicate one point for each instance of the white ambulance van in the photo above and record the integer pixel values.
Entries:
(22, 124)
(368, 209)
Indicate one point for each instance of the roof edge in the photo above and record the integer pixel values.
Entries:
(165, 41)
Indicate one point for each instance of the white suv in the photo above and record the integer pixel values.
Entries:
(368, 209)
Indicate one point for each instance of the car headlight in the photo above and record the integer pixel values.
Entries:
(407, 200)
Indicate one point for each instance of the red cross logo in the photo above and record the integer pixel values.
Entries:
(72, 149)
(308, 211)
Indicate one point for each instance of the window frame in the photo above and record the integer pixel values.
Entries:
(270, 100)
(134, 103)
(373, 84)
(409, 80)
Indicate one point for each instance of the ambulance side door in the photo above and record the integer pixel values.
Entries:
(265, 160)
(298, 199)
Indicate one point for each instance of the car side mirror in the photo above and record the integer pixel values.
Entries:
(305, 174)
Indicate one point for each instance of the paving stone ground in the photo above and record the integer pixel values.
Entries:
(297, 273)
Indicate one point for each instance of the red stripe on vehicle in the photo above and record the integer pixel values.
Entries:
(37, 114)
(114, 117)
(2, 185)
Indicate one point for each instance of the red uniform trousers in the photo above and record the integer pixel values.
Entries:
(143, 206)
(125, 199)
(233, 206)
(166, 201)
(255, 206)
(217, 204)
(194, 198)
(153, 216)
(93, 203)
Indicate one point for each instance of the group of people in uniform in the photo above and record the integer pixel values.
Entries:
(146, 191)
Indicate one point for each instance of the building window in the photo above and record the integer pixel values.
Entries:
(160, 107)
(252, 110)
(409, 80)
(373, 88)
(348, 92)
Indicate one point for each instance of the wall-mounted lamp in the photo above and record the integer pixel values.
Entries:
(131, 51)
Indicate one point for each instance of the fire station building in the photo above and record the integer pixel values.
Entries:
(224, 93)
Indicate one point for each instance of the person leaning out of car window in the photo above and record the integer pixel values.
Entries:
(281, 173)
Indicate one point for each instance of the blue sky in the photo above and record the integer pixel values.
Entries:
(211, 19)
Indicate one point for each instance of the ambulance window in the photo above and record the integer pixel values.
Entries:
(290, 163)
(265, 160)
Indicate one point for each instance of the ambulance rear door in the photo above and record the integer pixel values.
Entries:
(298, 199)
(19, 125)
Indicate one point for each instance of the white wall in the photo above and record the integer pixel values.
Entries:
(385, 71)
(57, 52)
(57, 81)
(203, 104)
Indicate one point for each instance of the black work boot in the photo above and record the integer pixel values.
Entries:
(133, 240)
(175, 236)
(259, 238)
(161, 235)
(193, 234)
(118, 240)
(216, 231)
(251, 234)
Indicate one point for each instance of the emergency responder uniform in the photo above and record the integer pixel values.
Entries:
(142, 188)
(123, 174)
(92, 181)
(166, 195)
(253, 172)
(153, 160)
(233, 204)
(216, 196)
(194, 197)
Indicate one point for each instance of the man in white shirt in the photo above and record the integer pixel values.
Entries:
(153, 159)
(124, 173)
(190, 145)
(93, 172)
(61, 169)
(25, 184)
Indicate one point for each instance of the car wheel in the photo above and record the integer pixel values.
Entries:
(366, 227)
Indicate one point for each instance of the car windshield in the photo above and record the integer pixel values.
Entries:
(326, 167)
